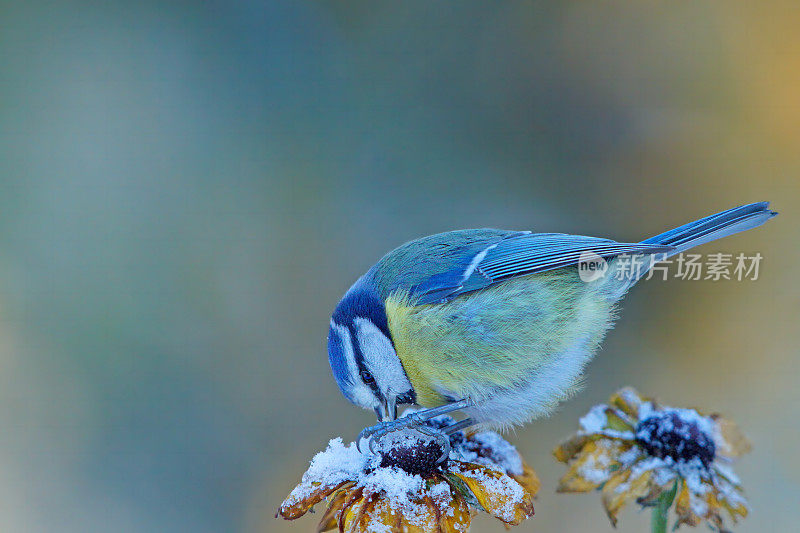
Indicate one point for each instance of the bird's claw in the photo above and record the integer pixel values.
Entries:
(414, 421)
(381, 429)
(375, 433)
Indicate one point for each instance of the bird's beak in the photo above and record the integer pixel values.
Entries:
(388, 409)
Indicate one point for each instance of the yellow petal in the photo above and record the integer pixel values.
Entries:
(294, 506)
(376, 509)
(434, 511)
(330, 518)
(350, 507)
(528, 479)
(593, 465)
(622, 488)
(735, 510)
(734, 443)
(617, 420)
(730, 496)
(683, 507)
(570, 447)
(707, 506)
(457, 518)
(497, 493)
(573, 481)
(425, 516)
(379, 512)
(627, 400)
(713, 505)
(426, 523)
(354, 518)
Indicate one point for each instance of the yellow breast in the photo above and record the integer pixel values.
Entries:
(496, 339)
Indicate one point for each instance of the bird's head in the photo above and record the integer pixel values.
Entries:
(362, 355)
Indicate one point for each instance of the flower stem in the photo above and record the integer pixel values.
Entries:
(658, 520)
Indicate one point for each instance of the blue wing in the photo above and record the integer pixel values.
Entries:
(520, 254)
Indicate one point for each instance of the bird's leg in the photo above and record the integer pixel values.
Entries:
(413, 421)
(458, 426)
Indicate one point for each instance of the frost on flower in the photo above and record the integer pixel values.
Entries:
(634, 449)
(404, 488)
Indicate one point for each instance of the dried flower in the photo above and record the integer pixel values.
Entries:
(633, 448)
(403, 488)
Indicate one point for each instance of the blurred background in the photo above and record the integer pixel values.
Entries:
(187, 189)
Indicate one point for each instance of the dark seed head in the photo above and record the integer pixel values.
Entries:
(667, 434)
(418, 456)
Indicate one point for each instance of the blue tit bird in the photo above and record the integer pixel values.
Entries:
(497, 324)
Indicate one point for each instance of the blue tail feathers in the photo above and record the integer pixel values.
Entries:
(714, 227)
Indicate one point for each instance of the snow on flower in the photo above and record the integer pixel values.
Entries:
(404, 487)
(633, 448)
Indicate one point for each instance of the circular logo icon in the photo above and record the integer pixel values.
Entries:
(591, 266)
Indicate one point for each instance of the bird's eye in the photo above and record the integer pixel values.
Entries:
(367, 378)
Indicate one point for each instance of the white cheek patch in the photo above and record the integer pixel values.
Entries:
(380, 358)
(358, 392)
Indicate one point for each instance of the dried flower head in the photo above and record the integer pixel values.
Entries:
(403, 488)
(633, 448)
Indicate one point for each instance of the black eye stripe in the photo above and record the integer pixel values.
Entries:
(361, 365)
